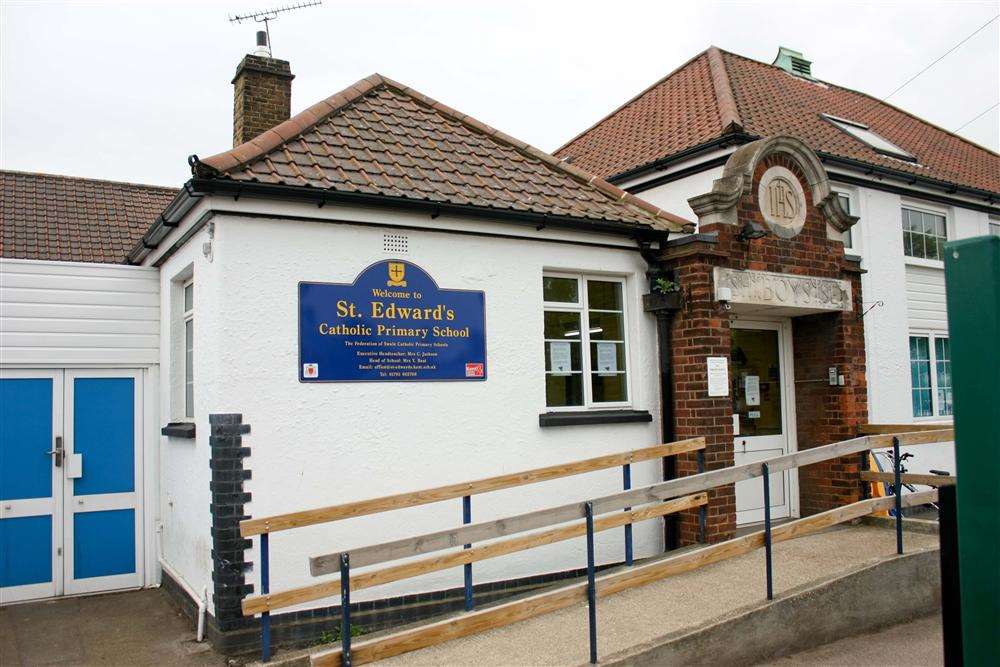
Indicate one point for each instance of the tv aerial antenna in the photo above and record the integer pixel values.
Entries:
(267, 15)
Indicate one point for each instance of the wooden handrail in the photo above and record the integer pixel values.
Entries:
(271, 524)
(511, 612)
(882, 429)
(908, 478)
(477, 532)
(294, 596)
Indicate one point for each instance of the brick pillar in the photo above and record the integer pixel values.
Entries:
(701, 330)
(262, 96)
(228, 498)
(825, 413)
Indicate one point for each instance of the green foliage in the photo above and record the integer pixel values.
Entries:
(663, 286)
(331, 636)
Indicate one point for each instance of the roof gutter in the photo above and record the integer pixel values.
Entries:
(171, 217)
(737, 139)
(911, 179)
(724, 141)
(196, 188)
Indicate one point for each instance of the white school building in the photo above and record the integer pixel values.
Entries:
(381, 294)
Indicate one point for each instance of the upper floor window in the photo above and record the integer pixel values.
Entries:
(585, 341)
(865, 135)
(845, 202)
(924, 234)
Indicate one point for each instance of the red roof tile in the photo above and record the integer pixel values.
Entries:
(718, 91)
(64, 218)
(381, 138)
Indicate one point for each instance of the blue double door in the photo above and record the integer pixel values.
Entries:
(70, 482)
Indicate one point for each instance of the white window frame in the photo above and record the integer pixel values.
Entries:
(924, 208)
(581, 307)
(931, 336)
(855, 231)
(187, 318)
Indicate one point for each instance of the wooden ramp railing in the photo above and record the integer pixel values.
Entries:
(266, 602)
(624, 508)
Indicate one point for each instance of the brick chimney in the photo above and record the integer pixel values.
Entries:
(262, 93)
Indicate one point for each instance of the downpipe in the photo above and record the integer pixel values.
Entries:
(202, 599)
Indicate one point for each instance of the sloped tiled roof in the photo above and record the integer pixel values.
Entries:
(64, 218)
(718, 92)
(381, 138)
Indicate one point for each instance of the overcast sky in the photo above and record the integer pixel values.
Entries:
(127, 90)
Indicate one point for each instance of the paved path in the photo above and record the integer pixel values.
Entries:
(916, 643)
(118, 629)
(671, 605)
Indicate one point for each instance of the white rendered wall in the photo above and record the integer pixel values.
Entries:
(321, 444)
(185, 520)
(71, 313)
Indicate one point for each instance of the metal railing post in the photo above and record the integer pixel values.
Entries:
(345, 609)
(591, 585)
(265, 585)
(627, 484)
(700, 456)
(767, 529)
(467, 518)
(897, 489)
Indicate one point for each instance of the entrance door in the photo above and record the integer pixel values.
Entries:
(759, 362)
(79, 431)
(31, 484)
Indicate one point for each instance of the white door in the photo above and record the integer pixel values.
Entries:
(760, 363)
(71, 521)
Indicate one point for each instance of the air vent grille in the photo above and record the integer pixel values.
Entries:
(396, 243)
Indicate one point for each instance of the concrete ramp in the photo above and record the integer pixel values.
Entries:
(842, 581)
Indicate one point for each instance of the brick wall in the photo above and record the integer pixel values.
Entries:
(262, 96)
(824, 413)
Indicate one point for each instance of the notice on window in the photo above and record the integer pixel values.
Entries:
(718, 376)
(559, 355)
(751, 389)
(607, 359)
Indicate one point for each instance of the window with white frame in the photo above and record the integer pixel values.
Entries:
(845, 202)
(189, 349)
(585, 341)
(930, 375)
(924, 234)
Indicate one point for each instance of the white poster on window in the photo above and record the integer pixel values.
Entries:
(559, 355)
(607, 359)
(718, 376)
(751, 389)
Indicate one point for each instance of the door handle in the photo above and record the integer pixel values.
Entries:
(57, 452)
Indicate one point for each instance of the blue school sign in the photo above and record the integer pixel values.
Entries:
(392, 324)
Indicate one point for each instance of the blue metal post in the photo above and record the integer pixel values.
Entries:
(467, 518)
(701, 510)
(345, 610)
(591, 585)
(265, 585)
(897, 489)
(767, 529)
(627, 484)
(863, 465)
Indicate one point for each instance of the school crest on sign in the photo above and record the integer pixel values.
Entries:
(397, 274)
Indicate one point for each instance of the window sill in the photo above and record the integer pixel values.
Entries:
(577, 418)
(920, 261)
(179, 430)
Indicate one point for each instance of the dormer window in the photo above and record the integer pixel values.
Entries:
(865, 135)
